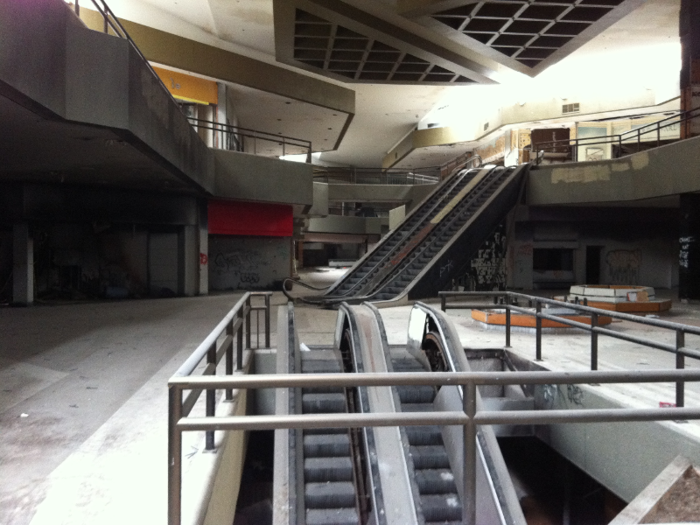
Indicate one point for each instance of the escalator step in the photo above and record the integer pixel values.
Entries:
(323, 403)
(417, 407)
(328, 469)
(318, 431)
(416, 394)
(441, 507)
(429, 435)
(326, 445)
(320, 366)
(332, 494)
(346, 516)
(432, 457)
(322, 390)
(435, 481)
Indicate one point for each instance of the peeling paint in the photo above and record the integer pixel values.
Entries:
(640, 160)
(584, 175)
(623, 165)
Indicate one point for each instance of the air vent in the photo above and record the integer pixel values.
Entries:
(567, 109)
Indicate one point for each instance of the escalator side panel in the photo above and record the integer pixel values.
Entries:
(456, 255)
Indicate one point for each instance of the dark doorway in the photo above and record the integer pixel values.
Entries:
(593, 264)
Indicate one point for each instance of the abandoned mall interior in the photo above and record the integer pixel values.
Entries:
(336, 262)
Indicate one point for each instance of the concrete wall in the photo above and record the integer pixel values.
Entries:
(343, 224)
(248, 263)
(668, 170)
(78, 74)
(635, 249)
(244, 176)
(409, 195)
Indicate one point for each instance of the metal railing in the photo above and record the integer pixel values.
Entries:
(470, 418)
(466, 160)
(234, 330)
(429, 175)
(112, 22)
(508, 301)
(236, 138)
(570, 147)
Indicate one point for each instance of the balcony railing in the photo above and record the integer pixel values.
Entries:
(568, 149)
(236, 138)
(429, 175)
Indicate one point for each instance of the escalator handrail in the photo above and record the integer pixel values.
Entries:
(394, 234)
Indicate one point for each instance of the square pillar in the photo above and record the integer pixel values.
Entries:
(23, 265)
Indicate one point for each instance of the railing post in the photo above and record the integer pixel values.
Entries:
(211, 399)
(247, 322)
(680, 365)
(77, 8)
(267, 320)
(508, 321)
(229, 359)
(469, 463)
(239, 343)
(594, 342)
(538, 331)
(442, 302)
(174, 455)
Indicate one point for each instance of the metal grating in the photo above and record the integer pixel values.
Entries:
(338, 50)
(528, 31)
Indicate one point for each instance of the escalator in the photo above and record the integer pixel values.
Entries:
(383, 475)
(434, 243)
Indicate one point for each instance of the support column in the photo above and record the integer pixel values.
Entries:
(690, 67)
(23, 265)
(689, 256)
(203, 240)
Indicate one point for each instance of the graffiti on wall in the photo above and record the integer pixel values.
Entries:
(488, 269)
(684, 254)
(238, 264)
(624, 266)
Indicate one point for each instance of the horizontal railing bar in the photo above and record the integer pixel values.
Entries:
(589, 309)
(227, 128)
(201, 351)
(606, 415)
(374, 419)
(615, 315)
(689, 352)
(432, 378)
(391, 419)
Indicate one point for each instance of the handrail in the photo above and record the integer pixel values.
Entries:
(471, 418)
(352, 175)
(236, 131)
(627, 137)
(508, 302)
(111, 21)
(235, 328)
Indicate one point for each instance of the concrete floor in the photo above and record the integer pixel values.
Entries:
(83, 401)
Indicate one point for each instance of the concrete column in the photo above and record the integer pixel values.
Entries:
(189, 260)
(23, 265)
(221, 114)
(203, 240)
(690, 68)
(689, 256)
